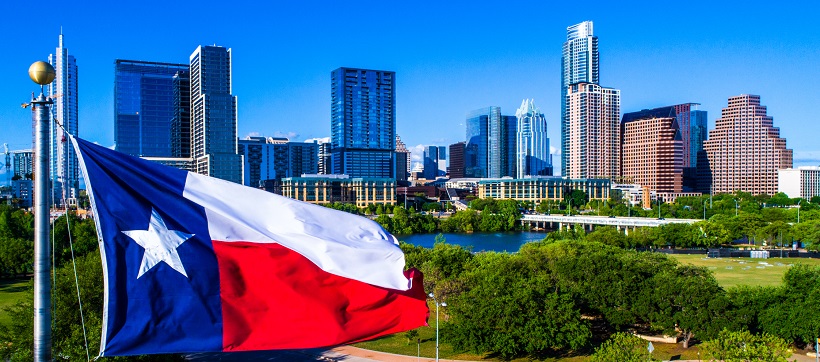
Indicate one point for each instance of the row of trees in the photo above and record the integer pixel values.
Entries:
(724, 223)
(555, 294)
(17, 235)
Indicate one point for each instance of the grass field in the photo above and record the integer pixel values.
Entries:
(11, 290)
(730, 272)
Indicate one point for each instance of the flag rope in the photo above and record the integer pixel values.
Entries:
(73, 260)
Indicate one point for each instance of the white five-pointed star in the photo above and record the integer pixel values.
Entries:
(160, 244)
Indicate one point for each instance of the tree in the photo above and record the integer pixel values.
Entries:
(731, 346)
(689, 298)
(16, 338)
(513, 310)
(622, 347)
(578, 198)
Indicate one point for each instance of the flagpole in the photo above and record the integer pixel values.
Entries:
(41, 73)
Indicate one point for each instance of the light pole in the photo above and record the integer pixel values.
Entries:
(704, 210)
(736, 207)
(659, 207)
(798, 210)
(431, 295)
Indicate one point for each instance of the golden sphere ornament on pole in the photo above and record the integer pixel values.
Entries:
(41, 72)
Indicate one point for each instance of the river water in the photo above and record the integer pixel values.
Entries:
(506, 241)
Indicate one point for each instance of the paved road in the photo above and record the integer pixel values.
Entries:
(338, 354)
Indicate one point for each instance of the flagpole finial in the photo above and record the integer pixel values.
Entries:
(41, 73)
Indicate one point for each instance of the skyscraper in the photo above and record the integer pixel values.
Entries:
(456, 169)
(590, 140)
(691, 124)
(181, 123)
(745, 150)
(579, 63)
(435, 162)
(652, 150)
(276, 158)
(490, 150)
(363, 122)
(591, 135)
(213, 115)
(64, 168)
(477, 156)
(144, 107)
(533, 144)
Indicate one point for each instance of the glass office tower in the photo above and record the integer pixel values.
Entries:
(64, 167)
(363, 122)
(490, 149)
(213, 115)
(533, 144)
(144, 107)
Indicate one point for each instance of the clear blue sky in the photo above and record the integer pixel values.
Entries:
(449, 58)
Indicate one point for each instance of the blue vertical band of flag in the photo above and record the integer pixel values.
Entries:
(162, 311)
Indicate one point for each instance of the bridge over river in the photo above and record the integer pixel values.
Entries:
(620, 222)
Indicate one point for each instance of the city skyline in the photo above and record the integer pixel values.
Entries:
(443, 73)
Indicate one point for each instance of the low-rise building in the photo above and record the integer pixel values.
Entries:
(536, 189)
(324, 189)
(801, 182)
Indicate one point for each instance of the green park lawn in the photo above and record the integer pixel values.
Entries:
(730, 272)
(11, 290)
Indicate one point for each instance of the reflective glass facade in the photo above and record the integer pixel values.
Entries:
(181, 124)
(491, 148)
(64, 166)
(277, 158)
(144, 107)
(579, 63)
(213, 115)
(533, 145)
(363, 122)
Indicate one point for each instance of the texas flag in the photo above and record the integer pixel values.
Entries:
(197, 264)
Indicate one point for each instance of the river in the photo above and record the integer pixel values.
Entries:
(505, 241)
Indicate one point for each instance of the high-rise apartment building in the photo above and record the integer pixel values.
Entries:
(490, 149)
(745, 150)
(402, 160)
(590, 113)
(64, 167)
(652, 151)
(23, 163)
(456, 169)
(579, 63)
(144, 107)
(591, 132)
(213, 115)
(363, 122)
(533, 144)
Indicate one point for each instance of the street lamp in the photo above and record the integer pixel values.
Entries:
(798, 210)
(431, 295)
(736, 206)
(704, 210)
(659, 207)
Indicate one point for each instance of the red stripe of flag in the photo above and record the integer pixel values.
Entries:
(274, 298)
